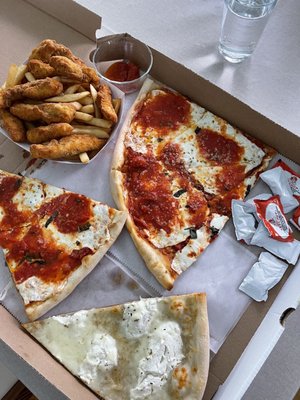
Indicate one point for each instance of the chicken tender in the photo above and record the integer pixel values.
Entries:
(104, 102)
(36, 90)
(66, 147)
(43, 134)
(49, 48)
(63, 66)
(13, 125)
(47, 112)
(39, 69)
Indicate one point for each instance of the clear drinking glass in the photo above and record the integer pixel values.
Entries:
(242, 25)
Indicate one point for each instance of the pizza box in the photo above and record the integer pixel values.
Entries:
(256, 333)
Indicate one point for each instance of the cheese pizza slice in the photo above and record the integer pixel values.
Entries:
(51, 238)
(176, 168)
(156, 348)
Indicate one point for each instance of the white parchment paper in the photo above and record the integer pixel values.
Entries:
(218, 272)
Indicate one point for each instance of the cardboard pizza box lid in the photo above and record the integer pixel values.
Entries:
(70, 23)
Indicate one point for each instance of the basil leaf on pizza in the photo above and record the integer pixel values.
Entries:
(51, 238)
(156, 348)
(177, 166)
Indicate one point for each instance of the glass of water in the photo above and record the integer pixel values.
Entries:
(242, 25)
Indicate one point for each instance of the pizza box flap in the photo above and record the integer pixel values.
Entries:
(30, 26)
(80, 19)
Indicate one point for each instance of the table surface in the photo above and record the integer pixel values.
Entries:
(269, 82)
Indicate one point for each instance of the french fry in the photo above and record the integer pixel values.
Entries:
(80, 116)
(90, 130)
(77, 105)
(81, 89)
(11, 76)
(86, 100)
(29, 77)
(22, 69)
(72, 89)
(116, 104)
(89, 109)
(94, 97)
(102, 123)
(84, 158)
(68, 98)
(15, 75)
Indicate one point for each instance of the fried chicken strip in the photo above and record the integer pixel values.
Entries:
(13, 125)
(63, 66)
(49, 48)
(43, 134)
(104, 102)
(66, 147)
(47, 112)
(39, 69)
(37, 90)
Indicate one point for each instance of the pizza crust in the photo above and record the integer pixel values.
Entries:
(36, 309)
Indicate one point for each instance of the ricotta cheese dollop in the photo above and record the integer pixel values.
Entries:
(101, 356)
(137, 317)
(163, 354)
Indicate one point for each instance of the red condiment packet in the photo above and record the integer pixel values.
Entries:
(293, 178)
(271, 213)
(295, 220)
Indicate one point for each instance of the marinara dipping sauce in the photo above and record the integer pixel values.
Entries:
(122, 71)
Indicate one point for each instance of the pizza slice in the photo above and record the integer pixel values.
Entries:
(176, 168)
(52, 239)
(156, 348)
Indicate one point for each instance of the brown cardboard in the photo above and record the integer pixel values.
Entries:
(27, 26)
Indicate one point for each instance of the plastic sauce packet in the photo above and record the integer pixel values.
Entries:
(278, 181)
(295, 220)
(270, 211)
(293, 178)
(264, 275)
(243, 220)
(288, 251)
(262, 196)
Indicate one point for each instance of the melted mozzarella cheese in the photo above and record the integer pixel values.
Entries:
(163, 239)
(34, 289)
(137, 317)
(185, 257)
(52, 191)
(162, 353)
(102, 356)
(95, 236)
(78, 319)
(218, 221)
(252, 156)
(29, 196)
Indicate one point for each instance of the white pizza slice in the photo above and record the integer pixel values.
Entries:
(152, 349)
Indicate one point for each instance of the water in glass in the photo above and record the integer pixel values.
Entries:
(242, 26)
